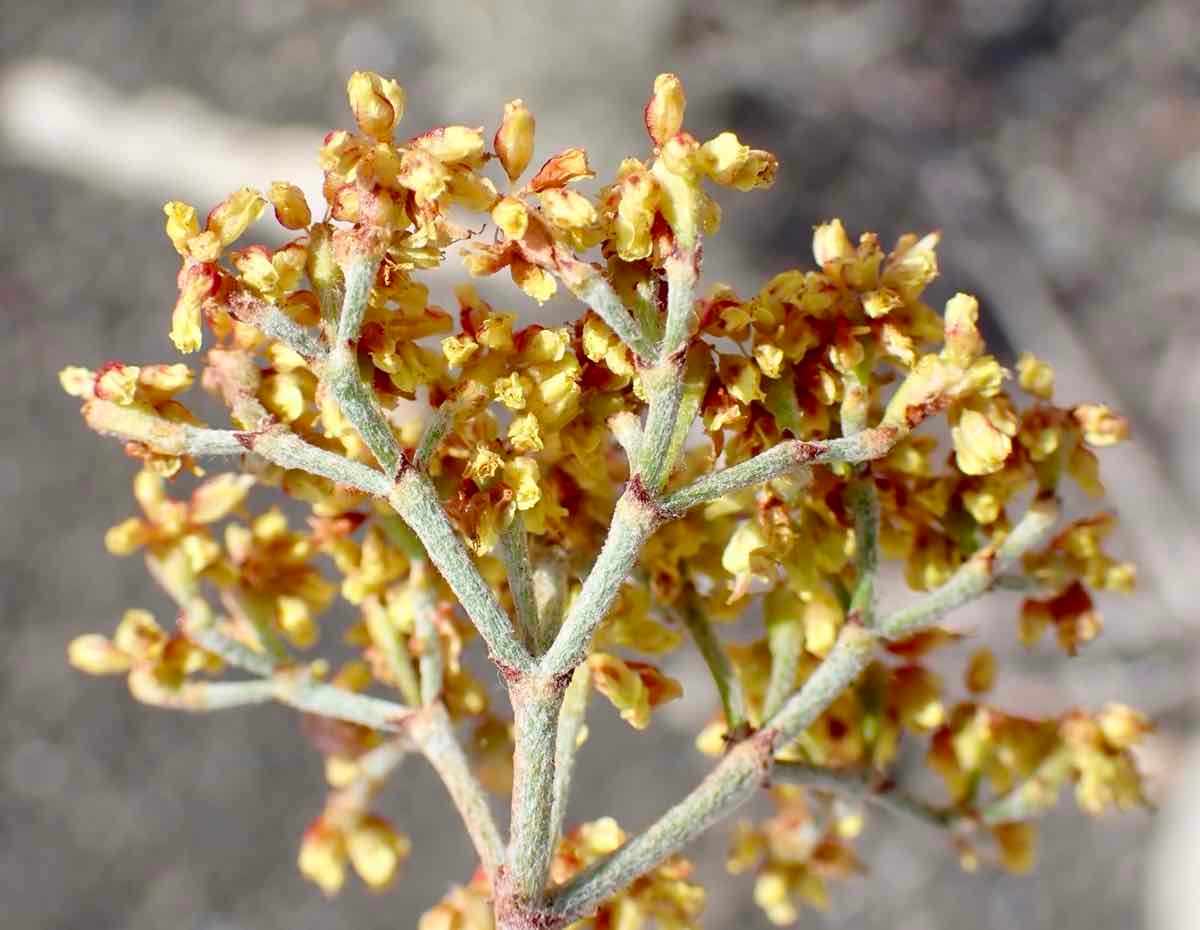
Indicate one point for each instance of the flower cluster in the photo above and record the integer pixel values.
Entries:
(582, 500)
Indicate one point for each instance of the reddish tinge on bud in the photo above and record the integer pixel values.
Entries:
(514, 139)
(664, 111)
(567, 166)
(378, 103)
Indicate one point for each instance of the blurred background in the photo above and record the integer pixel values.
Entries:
(1055, 142)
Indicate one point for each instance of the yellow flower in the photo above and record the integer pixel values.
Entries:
(664, 112)
(1035, 376)
(632, 687)
(731, 164)
(514, 139)
(378, 103)
(291, 209)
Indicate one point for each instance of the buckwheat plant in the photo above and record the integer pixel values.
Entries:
(580, 501)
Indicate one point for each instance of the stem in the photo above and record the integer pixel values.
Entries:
(785, 640)
(536, 704)
(645, 310)
(570, 729)
(514, 544)
(550, 595)
(634, 519)
(299, 690)
(728, 786)
(664, 385)
(1031, 796)
(867, 786)
(425, 615)
(593, 289)
(863, 501)
(682, 271)
(432, 732)
(356, 399)
(272, 322)
(200, 696)
(416, 502)
(391, 642)
(975, 576)
(729, 685)
(256, 615)
(783, 459)
(284, 448)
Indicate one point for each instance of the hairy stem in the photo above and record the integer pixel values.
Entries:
(976, 575)
(633, 521)
(570, 731)
(733, 782)
(536, 705)
(725, 677)
(784, 459)
(416, 502)
(593, 289)
(785, 640)
(514, 545)
(433, 733)
(863, 501)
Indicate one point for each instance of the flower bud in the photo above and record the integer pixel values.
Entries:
(512, 216)
(664, 112)
(181, 224)
(1101, 427)
(514, 139)
(93, 654)
(377, 102)
(291, 209)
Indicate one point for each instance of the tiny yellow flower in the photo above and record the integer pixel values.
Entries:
(514, 139)
(378, 103)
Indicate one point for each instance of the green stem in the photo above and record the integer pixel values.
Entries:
(634, 519)
(976, 575)
(784, 459)
(514, 545)
(550, 596)
(433, 733)
(785, 640)
(863, 501)
(724, 676)
(865, 785)
(733, 782)
(416, 502)
(681, 301)
(593, 289)
(664, 386)
(570, 728)
(274, 323)
(536, 704)
(391, 642)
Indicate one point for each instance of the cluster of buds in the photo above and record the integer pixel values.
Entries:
(583, 501)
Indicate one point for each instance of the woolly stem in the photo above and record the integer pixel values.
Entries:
(416, 502)
(863, 502)
(784, 459)
(975, 576)
(514, 545)
(570, 730)
(536, 704)
(432, 732)
(733, 782)
(593, 289)
(633, 521)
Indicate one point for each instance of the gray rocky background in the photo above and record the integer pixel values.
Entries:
(1057, 144)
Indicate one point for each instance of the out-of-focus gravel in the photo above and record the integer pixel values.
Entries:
(1057, 144)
